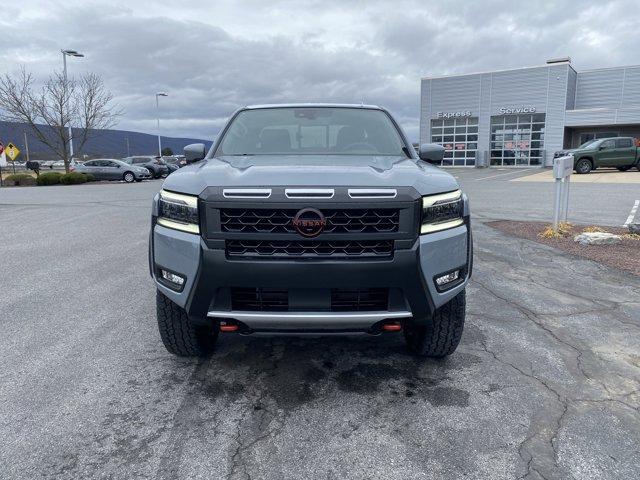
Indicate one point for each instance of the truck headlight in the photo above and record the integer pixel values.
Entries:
(443, 211)
(178, 211)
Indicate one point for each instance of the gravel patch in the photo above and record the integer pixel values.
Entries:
(625, 255)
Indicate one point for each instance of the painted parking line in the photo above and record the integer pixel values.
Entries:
(632, 214)
(604, 177)
(503, 174)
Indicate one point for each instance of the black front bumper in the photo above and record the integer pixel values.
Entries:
(401, 272)
(408, 274)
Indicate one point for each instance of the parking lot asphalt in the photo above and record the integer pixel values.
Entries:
(508, 194)
(545, 384)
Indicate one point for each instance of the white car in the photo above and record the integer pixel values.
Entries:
(46, 163)
(60, 164)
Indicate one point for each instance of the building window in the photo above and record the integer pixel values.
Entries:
(517, 140)
(459, 137)
(585, 137)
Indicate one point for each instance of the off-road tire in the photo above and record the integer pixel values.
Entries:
(440, 336)
(179, 335)
(129, 177)
(584, 166)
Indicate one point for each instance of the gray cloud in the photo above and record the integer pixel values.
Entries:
(213, 58)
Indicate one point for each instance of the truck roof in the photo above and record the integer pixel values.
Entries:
(311, 105)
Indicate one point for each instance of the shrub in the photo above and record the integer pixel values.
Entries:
(49, 178)
(631, 236)
(550, 232)
(20, 180)
(89, 177)
(72, 178)
(593, 229)
(564, 229)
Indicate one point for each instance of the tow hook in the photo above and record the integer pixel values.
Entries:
(391, 327)
(228, 327)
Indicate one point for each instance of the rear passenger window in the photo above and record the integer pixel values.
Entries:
(624, 143)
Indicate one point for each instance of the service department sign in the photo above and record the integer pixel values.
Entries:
(511, 111)
(464, 113)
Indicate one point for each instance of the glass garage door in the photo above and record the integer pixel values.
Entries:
(517, 140)
(459, 137)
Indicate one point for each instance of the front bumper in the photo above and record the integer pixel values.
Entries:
(411, 271)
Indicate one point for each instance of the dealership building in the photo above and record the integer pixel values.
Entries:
(521, 117)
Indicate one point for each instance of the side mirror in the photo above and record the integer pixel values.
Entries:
(431, 152)
(194, 152)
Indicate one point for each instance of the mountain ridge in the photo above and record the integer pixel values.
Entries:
(110, 143)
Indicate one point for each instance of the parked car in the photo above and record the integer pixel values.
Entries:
(155, 165)
(352, 232)
(172, 163)
(46, 163)
(618, 152)
(60, 164)
(111, 169)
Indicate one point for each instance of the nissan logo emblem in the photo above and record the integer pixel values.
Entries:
(309, 222)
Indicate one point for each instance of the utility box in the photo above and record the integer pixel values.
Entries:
(562, 167)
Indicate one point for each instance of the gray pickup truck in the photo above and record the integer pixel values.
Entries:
(311, 219)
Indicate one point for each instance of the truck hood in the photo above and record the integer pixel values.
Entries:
(309, 171)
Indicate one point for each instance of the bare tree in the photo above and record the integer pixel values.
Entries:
(85, 105)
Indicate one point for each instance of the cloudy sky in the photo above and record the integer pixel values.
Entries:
(214, 56)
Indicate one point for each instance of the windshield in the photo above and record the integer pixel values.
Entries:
(310, 131)
(587, 143)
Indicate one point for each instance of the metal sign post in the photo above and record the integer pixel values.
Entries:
(562, 170)
(12, 152)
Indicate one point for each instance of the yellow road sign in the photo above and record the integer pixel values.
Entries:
(12, 151)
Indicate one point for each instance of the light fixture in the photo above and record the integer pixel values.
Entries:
(442, 211)
(178, 211)
(448, 278)
(172, 277)
(72, 53)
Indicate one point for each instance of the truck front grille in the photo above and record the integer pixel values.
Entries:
(341, 300)
(259, 220)
(310, 249)
(359, 299)
(259, 299)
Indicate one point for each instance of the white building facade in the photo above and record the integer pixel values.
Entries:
(521, 117)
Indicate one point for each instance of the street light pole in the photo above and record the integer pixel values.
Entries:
(65, 54)
(26, 145)
(159, 94)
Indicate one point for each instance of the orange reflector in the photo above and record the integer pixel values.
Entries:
(226, 327)
(392, 327)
